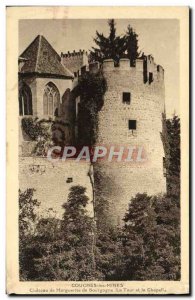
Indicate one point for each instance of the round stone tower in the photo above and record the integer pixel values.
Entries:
(132, 117)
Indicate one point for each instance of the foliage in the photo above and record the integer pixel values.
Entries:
(109, 253)
(27, 211)
(108, 47)
(33, 128)
(48, 248)
(91, 88)
(46, 133)
(152, 243)
(62, 249)
(79, 231)
(173, 171)
(115, 47)
(27, 223)
(39, 131)
(132, 45)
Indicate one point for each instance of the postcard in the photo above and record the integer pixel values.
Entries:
(98, 150)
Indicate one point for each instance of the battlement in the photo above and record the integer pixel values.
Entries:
(74, 61)
(145, 66)
(74, 53)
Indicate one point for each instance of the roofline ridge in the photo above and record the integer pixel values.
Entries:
(29, 45)
(56, 53)
(68, 71)
(38, 52)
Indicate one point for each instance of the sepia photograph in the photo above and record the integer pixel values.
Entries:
(98, 115)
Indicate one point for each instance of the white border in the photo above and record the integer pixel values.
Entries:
(3, 84)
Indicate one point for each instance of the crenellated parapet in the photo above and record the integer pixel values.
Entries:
(74, 53)
(145, 69)
(74, 61)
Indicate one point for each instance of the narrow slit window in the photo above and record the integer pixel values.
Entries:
(132, 125)
(69, 180)
(164, 167)
(126, 98)
(151, 79)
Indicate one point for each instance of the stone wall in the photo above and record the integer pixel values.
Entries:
(74, 61)
(52, 180)
(146, 107)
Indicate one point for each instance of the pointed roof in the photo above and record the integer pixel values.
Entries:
(40, 58)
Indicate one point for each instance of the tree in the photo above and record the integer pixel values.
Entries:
(151, 239)
(79, 234)
(168, 220)
(116, 47)
(27, 212)
(173, 171)
(45, 133)
(40, 243)
(27, 225)
(132, 45)
(138, 229)
(65, 249)
(112, 46)
(60, 249)
(49, 250)
(109, 253)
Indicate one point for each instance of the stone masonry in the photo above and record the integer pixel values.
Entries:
(145, 85)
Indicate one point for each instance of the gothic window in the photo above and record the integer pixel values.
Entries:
(126, 98)
(132, 124)
(25, 101)
(51, 100)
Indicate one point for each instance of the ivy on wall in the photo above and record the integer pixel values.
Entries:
(45, 132)
(36, 128)
(91, 89)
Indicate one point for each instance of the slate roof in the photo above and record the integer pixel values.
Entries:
(40, 58)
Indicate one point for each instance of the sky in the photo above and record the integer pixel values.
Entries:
(156, 36)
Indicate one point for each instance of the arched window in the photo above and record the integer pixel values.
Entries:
(51, 100)
(25, 101)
